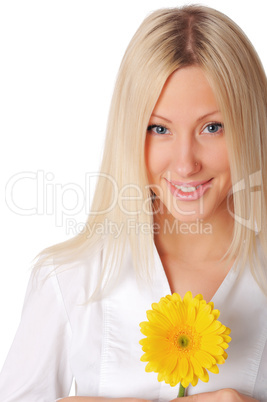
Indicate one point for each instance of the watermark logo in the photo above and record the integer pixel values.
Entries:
(131, 226)
(254, 182)
(67, 201)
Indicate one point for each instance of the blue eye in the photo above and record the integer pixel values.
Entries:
(157, 129)
(213, 128)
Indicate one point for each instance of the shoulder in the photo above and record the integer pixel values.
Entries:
(67, 275)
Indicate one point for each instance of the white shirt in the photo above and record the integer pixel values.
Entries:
(61, 338)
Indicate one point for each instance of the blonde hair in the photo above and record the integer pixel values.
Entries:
(167, 40)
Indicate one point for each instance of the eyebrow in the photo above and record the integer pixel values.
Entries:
(207, 115)
(160, 117)
(199, 119)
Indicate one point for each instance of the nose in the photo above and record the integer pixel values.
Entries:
(185, 156)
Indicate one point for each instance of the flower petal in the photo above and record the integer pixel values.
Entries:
(183, 367)
(175, 297)
(214, 369)
(191, 315)
(187, 298)
(203, 321)
(204, 358)
(205, 376)
(214, 327)
(196, 366)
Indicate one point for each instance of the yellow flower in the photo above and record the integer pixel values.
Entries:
(183, 339)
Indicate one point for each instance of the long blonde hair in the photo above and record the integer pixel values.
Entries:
(167, 40)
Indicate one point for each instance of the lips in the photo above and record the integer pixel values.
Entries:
(188, 191)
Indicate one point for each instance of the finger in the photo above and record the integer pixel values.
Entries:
(204, 397)
(226, 394)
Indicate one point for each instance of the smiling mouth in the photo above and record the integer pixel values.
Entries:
(189, 192)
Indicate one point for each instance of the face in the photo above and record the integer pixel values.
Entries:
(186, 153)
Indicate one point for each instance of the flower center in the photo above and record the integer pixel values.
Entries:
(183, 341)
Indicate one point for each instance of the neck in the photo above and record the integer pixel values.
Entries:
(195, 241)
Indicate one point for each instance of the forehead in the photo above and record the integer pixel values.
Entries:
(187, 92)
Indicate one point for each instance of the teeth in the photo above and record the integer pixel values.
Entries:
(187, 189)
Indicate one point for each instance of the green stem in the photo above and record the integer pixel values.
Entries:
(181, 391)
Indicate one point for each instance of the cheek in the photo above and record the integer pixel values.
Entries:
(156, 160)
(221, 168)
(218, 159)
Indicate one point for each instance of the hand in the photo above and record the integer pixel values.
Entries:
(223, 395)
(100, 399)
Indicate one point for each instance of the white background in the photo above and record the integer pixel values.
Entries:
(58, 65)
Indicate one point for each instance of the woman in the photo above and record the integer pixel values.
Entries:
(180, 205)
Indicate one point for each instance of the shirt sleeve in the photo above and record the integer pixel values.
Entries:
(37, 368)
(260, 385)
